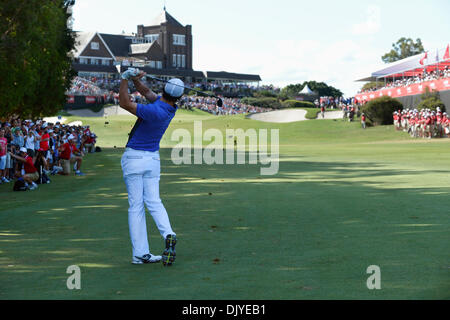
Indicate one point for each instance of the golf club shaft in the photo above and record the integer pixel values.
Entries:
(198, 91)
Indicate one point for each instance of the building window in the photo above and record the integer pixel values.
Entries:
(179, 40)
(151, 37)
(179, 61)
(94, 61)
(158, 64)
(138, 64)
(105, 62)
(152, 64)
(95, 46)
(83, 61)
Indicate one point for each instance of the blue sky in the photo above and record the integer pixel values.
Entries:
(284, 41)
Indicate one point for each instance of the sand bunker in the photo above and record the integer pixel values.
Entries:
(55, 119)
(283, 116)
(291, 115)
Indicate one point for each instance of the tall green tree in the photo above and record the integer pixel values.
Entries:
(403, 48)
(35, 64)
(372, 85)
(321, 88)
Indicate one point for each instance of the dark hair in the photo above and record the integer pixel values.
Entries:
(168, 97)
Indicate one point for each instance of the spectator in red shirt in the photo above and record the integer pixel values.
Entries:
(44, 144)
(31, 174)
(3, 149)
(363, 121)
(68, 156)
(89, 143)
(45, 138)
(396, 121)
(427, 131)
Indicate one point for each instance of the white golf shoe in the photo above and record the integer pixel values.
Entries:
(148, 258)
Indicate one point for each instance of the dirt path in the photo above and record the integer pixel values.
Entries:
(105, 112)
(331, 115)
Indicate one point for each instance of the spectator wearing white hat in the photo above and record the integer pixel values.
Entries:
(68, 157)
(89, 143)
(31, 174)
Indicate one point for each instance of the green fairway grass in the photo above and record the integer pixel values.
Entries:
(344, 199)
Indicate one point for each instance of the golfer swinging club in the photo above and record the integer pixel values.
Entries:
(141, 164)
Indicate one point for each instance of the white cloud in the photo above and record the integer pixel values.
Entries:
(372, 24)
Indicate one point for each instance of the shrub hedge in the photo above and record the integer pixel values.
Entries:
(379, 111)
(297, 104)
(265, 102)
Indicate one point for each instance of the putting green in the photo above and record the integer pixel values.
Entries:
(344, 199)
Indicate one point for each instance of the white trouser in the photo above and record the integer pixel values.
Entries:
(141, 172)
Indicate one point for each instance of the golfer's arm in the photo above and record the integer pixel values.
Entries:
(124, 98)
(146, 92)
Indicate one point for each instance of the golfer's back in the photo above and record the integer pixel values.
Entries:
(154, 119)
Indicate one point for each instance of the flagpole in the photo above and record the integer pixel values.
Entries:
(437, 58)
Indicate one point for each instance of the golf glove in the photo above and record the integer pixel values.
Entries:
(130, 73)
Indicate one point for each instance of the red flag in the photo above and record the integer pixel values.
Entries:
(447, 53)
(423, 59)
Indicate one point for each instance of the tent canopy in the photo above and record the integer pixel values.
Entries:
(307, 91)
(413, 66)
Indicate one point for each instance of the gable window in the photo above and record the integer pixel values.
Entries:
(95, 46)
(179, 40)
(158, 64)
(94, 61)
(105, 62)
(83, 61)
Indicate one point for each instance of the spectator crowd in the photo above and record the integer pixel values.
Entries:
(231, 106)
(334, 102)
(30, 151)
(108, 90)
(424, 77)
(84, 87)
(424, 123)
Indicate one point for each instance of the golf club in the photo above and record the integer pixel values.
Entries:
(219, 100)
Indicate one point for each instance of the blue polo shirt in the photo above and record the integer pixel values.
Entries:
(154, 119)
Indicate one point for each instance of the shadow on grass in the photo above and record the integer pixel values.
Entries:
(315, 225)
